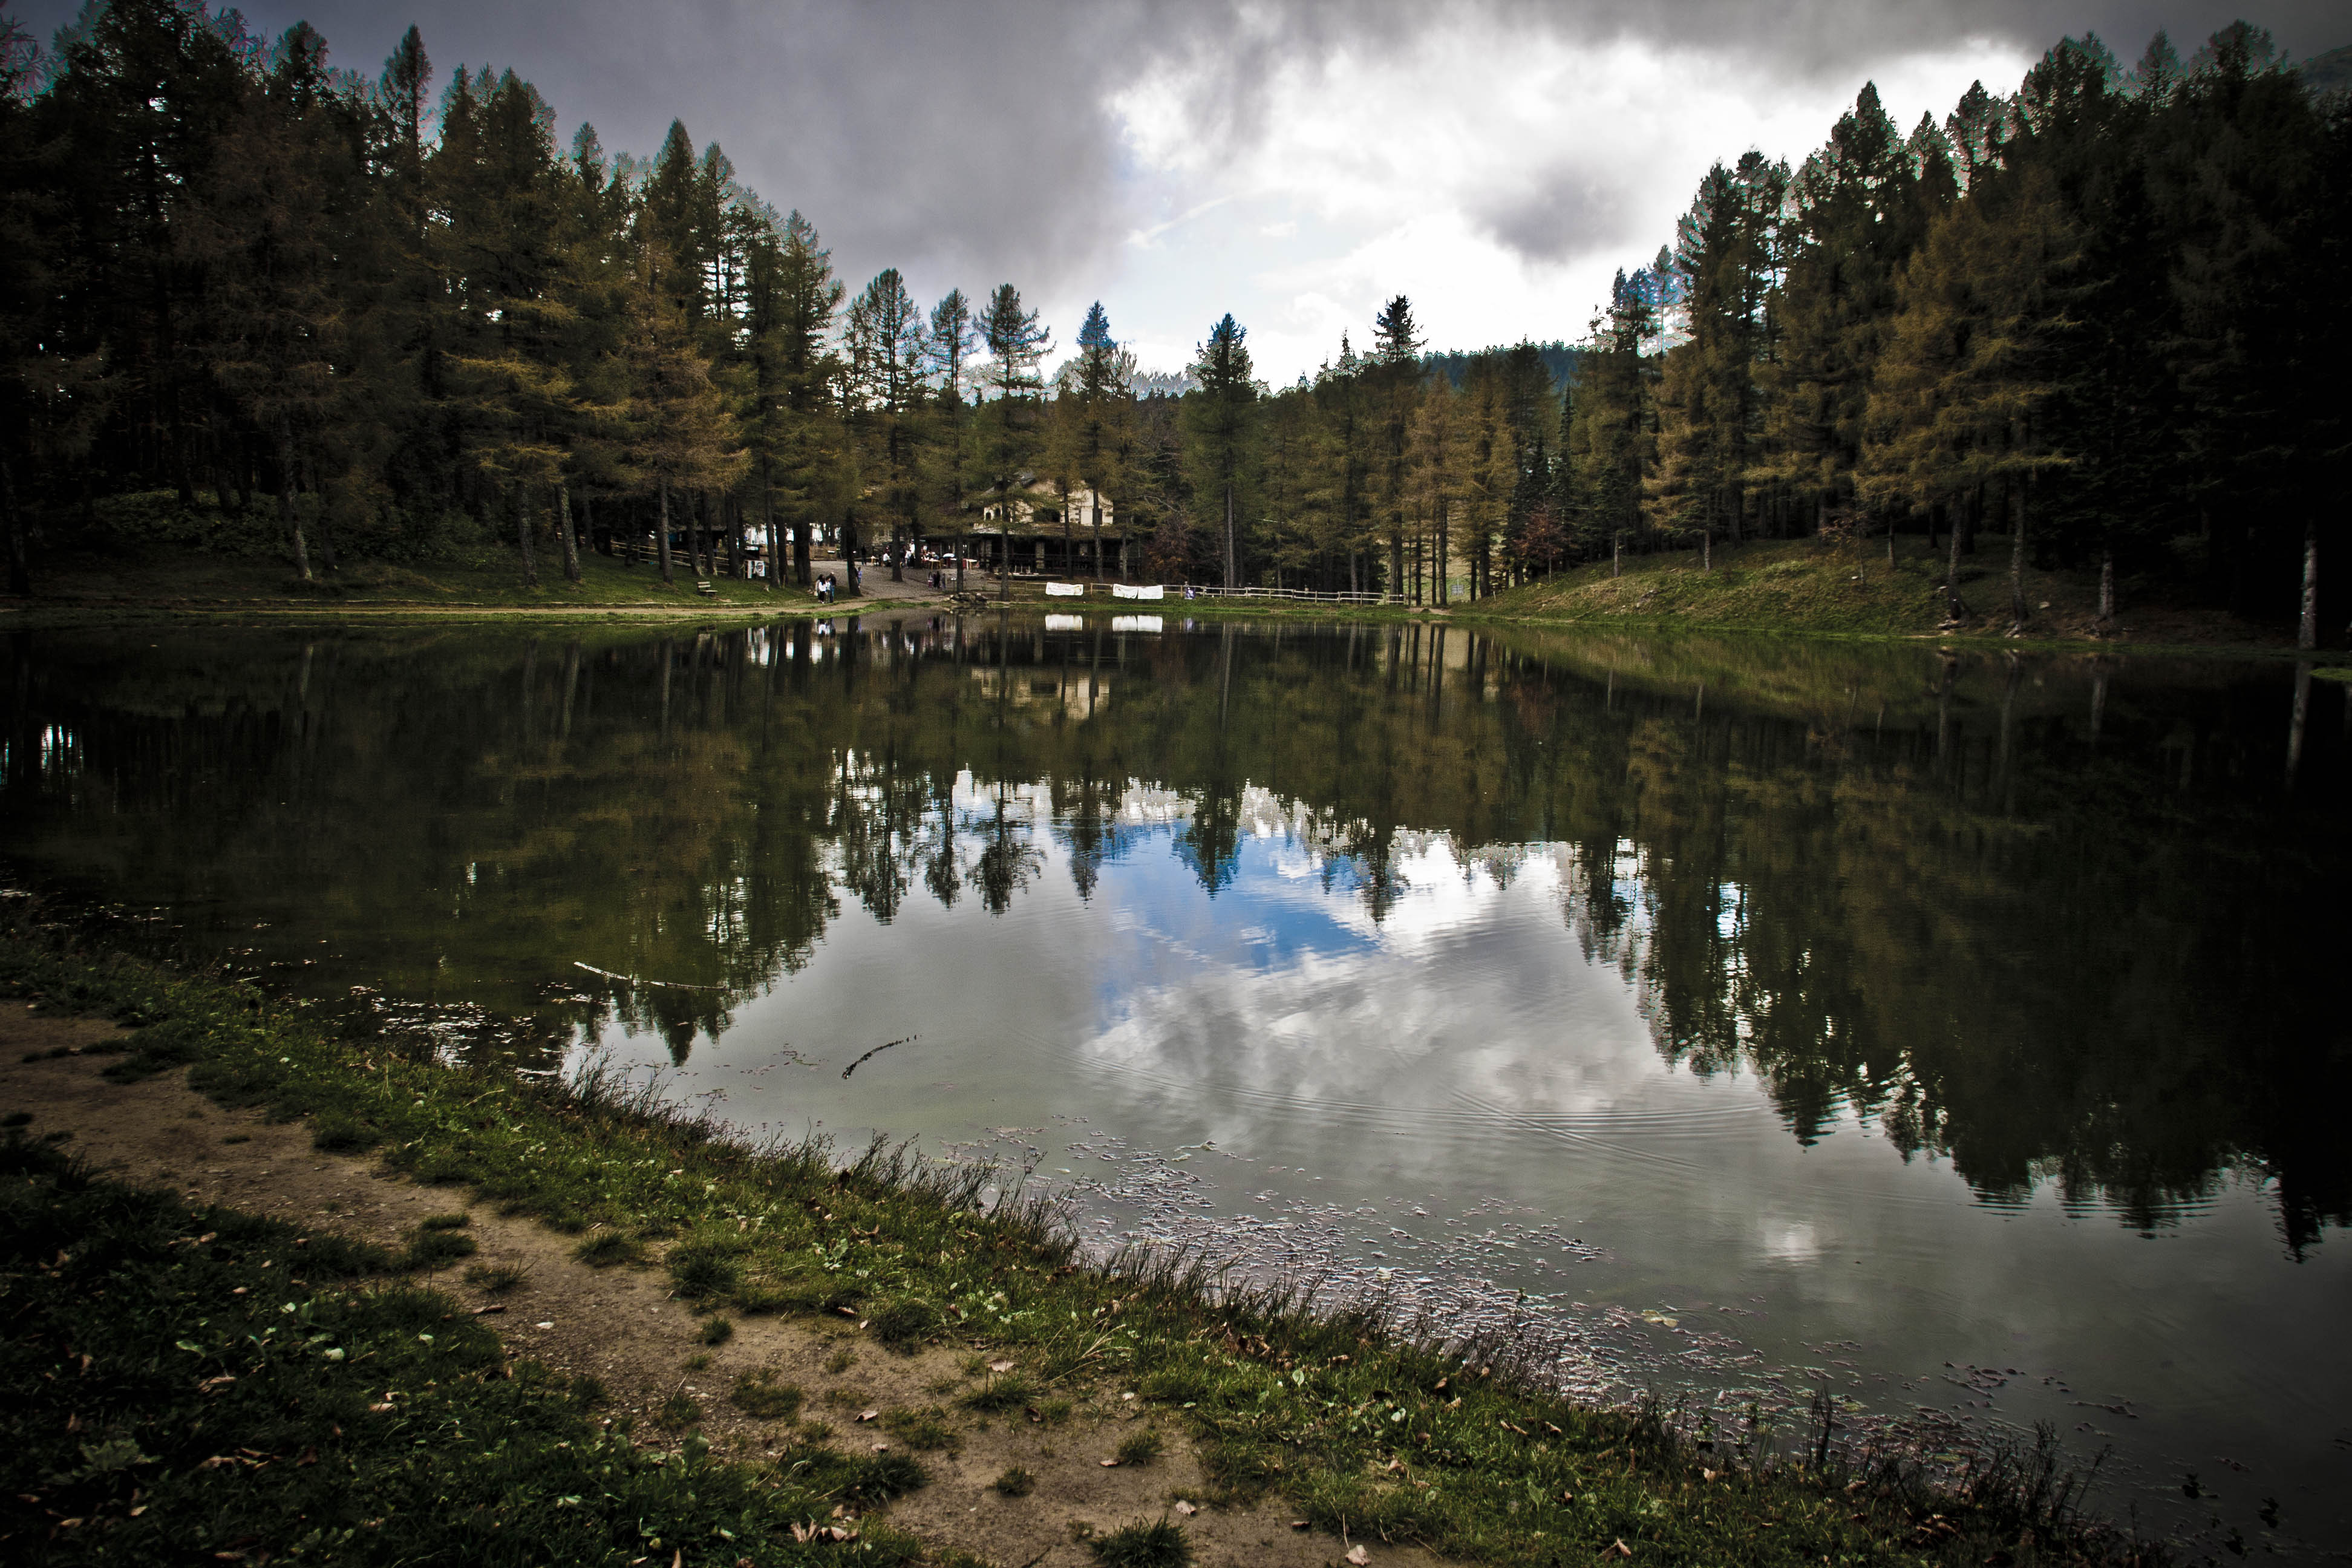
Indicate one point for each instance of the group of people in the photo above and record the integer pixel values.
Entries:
(828, 589)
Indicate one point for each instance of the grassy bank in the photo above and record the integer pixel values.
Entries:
(1457, 1447)
(143, 555)
(197, 1384)
(146, 552)
(1820, 587)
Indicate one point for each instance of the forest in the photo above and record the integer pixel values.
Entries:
(2101, 319)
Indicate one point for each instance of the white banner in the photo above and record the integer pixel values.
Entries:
(1065, 590)
(1131, 591)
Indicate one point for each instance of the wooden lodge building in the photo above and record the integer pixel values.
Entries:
(1039, 533)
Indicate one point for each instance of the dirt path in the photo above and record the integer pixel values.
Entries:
(621, 1326)
(878, 586)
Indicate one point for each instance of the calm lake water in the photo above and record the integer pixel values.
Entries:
(1739, 1016)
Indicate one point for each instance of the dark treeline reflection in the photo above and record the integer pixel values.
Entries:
(2061, 921)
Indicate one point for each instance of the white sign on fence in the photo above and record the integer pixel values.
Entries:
(1133, 591)
(1065, 590)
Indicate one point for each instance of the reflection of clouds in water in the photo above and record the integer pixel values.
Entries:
(1288, 999)
(1784, 1242)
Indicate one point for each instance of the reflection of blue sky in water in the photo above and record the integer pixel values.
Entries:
(1465, 1050)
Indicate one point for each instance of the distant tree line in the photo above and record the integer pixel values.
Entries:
(2104, 318)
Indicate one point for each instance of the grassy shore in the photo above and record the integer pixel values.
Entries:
(1853, 589)
(144, 556)
(1457, 1447)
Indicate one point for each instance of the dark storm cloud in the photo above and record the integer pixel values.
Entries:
(970, 142)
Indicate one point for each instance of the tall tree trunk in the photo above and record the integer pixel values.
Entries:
(1616, 553)
(1706, 549)
(2307, 631)
(773, 557)
(1954, 611)
(326, 522)
(2017, 565)
(286, 518)
(804, 571)
(20, 567)
(2295, 722)
(522, 539)
(849, 555)
(1094, 500)
(1232, 555)
(570, 540)
(1440, 589)
(661, 535)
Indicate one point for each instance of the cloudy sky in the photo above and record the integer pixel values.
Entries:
(1295, 162)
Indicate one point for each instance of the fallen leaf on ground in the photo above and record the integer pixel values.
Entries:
(1185, 1509)
(1000, 1366)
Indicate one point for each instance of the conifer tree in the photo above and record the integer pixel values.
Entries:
(1219, 426)
(1394, 378)
(1013, 434)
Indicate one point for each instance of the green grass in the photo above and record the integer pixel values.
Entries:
(926, 1429)
(1016, 1481)
(758, 1394)
(1457, 1446)
(326, 1414)
(1142, 1448)
(146, 551)
(1157, 1544)
(497, 1280)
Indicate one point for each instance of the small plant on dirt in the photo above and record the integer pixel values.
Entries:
(1054, 1412)
(1016, 1482)
(603, 1248)
(698, 1362)
(432, 1249)
(884, 1476)
(1140, 1447)
(1010, 1391)
(17, 1119)
(903, 1324)
(456, 1219)
(238, 1138)
(335, 1132)
(680, 1410)
(925, 1428)
(588, 1389)
(758, 1394)
(496, 1278)
(718, 1331)
(701, 1270)
(841, 1360)
(1159, 1544)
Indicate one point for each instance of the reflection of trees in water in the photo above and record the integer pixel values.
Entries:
(2044, 926)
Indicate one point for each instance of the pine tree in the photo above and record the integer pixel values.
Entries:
(1220, 427)
(1012, 435)
(681, 434)
(1394, 380)
(884, 338)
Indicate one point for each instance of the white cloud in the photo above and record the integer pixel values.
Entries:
(1498, 176)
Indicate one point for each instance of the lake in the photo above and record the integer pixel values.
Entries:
(1735, 1018)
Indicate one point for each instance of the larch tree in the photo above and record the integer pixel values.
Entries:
(1220, 427)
